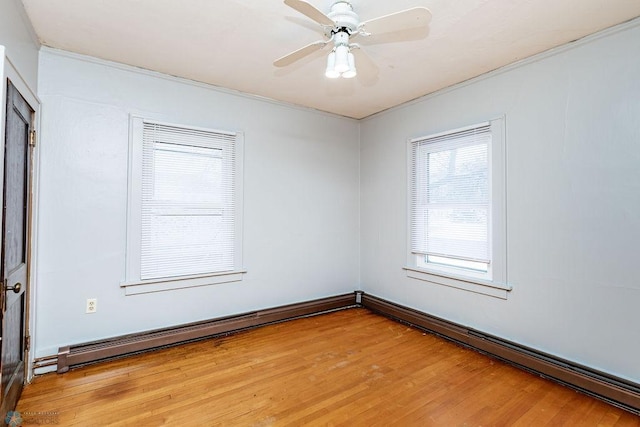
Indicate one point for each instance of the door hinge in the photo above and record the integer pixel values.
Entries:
(32, 138)
(27, 343)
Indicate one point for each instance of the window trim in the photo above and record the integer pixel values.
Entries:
(132, 284)
(498, 285)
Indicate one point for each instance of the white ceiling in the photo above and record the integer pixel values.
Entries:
(233, 43)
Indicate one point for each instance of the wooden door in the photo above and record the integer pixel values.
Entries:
(16, 191)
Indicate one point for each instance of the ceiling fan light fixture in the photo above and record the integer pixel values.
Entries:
(341, 24)
(331, 72)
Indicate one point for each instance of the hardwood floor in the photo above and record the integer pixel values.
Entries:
(350, 367)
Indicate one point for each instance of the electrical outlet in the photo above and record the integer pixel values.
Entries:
(92, 305)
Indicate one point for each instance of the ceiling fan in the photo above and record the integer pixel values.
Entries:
(341, 25)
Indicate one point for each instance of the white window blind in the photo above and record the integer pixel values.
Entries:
(187, 218)
(450, 197)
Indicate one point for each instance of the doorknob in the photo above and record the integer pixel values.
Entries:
(15, 288)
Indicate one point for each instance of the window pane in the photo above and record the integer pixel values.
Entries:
(188, 202)
(451, 198)
(200, 241)
(458, 176)
(451, 232)
(468, 265)
(186, 174)
(457, 202)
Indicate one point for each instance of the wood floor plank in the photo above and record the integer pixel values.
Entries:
(350, 367)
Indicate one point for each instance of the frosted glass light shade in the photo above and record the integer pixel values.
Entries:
(342, 59)
(331, 66)
(351, 72)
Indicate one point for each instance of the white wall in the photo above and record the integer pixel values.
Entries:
(573, 197)
(17, 36)
(301, 201)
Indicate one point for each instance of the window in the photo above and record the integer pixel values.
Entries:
(184, 207)
(456, 212)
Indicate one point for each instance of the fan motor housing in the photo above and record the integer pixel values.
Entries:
(345, 18)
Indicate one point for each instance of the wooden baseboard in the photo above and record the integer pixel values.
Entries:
(82, 354)
(617, 391)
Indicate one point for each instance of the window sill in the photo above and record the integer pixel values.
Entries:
(484, 287)
(172, 283)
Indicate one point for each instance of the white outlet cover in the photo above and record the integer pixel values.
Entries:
(92, 305)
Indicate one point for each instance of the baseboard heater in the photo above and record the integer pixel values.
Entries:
(616, 391)
(96, 351)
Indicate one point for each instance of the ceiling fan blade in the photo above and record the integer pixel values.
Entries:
(411, 34)
(406, 19)
(310, 11)
(299, 54)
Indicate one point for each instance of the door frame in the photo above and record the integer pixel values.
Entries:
(9, 71)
